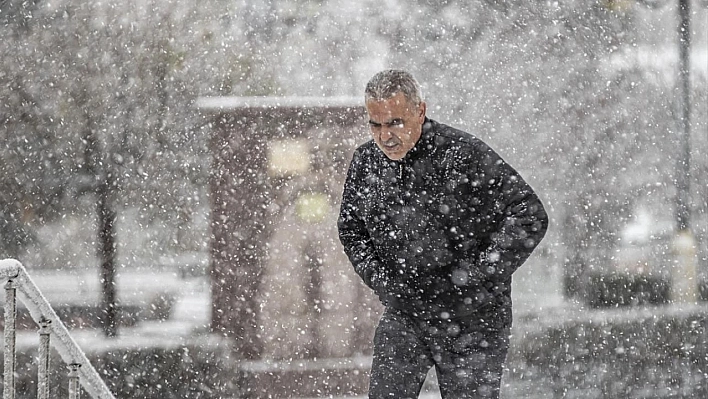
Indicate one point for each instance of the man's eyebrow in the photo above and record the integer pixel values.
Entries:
(394, 121)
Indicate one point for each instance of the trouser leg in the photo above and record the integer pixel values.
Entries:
(470, 365)
(401, 359)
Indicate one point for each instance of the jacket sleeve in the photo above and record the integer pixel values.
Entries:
(518, 218)
(352, 230)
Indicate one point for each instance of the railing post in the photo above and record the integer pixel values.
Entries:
(43, 366)
(8, 391)
(50, 325)
(74, 387)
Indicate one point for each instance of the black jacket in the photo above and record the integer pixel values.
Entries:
(439, 233)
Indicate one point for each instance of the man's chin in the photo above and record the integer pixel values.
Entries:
(394, 154)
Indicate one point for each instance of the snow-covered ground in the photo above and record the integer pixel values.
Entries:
(190, 312)
(538, 302)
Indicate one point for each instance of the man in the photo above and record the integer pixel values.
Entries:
(435, 222)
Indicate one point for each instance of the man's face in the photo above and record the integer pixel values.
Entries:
(396, 124)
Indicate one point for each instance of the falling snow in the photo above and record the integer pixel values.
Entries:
(198, 151)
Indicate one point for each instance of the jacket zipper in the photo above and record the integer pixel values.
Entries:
(404, 200)
(400, 174)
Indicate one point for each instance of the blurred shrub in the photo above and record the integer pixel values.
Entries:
(650, 352)
(201, 368)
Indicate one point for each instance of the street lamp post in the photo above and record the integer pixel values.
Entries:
(683, 212)
(685, 278)
(684, 272)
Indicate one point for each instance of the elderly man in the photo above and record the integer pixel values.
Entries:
(435, 223)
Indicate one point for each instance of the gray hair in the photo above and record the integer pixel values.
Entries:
(388, 83)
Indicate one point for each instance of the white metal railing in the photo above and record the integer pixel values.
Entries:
(81, 372)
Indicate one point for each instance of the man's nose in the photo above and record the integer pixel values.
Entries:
(386, 133)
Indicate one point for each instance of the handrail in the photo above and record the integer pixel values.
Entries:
(43, 314)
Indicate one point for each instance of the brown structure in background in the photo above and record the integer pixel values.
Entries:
(282, 287)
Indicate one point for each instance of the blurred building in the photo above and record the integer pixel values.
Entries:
(282, 286)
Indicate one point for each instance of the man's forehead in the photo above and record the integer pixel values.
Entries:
(388, 108)
(384, 117)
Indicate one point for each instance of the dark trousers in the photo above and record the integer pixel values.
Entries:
(467, 354)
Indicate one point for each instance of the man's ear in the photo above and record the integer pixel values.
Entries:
(421, 110)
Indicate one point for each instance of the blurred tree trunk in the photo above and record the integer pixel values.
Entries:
(107, 242)
(104, 187)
